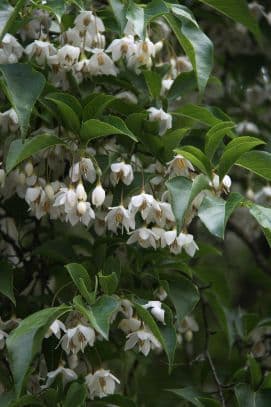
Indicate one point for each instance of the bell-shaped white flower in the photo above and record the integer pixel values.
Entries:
(68, 56)
(144, 52)
(67, 376)
(122, 47)
(101, 384)
(80, 191)
(40, 51)
(121, 172)
(67, 198)
(162, 215)
(86, 21)
(156, 310)
(55, 329)
(87, 170)
(119, 217)
(101, 64)
(32, 194)
(76, 339)
(169, 238)
(179, 166)
(144, 237)
(11, 51)
(83, 213)
(186, 241)
(72, 37)
(144, 339)
(219, 186)
(143, 203)
(98, 195)
(9, 121)
(128, 325)
(165, 119)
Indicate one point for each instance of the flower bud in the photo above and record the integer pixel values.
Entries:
(21, 178)
(2, 177)
(81, 208)
(188, 336)
(49, 192)
(98, 195)
(80, 192)
(28, 169)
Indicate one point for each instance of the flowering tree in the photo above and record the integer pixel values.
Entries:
(135, 270)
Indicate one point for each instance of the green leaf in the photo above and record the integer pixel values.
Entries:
(179, 190)
(135, 15)
(237, 11)
(57, 7)
(100, 313)
(247, 397)
(69, 109)
(197, 158)
(167, 340)
(255, 372)
(29, 336)
(155, 9)
(76, 395)
(199, 113)
(258, 162)
(214, 137)
(119, 12)
(20, 150)
(92, 129)
(183, 84)
(23, 86)
(184, 296)
(196, 44)
(96, 106)
(12, 16)
(234, 150)
(188, 394)
(6, 281)
(109, 283)
(263, 217)
(212, 213)
(153, 81)
(81, 279)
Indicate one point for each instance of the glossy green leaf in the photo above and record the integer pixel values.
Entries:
(6, 281)
(196, 44)
(81, 279)
(199, 113)
(23, 86)
(214, 137)
(263, 217)
(247, 397)
(109, 283)
(118, 9)
(92, 129)
(258, 162)
(153, 82)
(238, 11)
(184, 296)
(234, 150)
(180, 190)
(69, 109)
(188, 394)
(76, 395)
(96, 106)
(20, 150)
(29, 336)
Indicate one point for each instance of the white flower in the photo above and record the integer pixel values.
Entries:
(82, 213)
(98, 195)
(86, 21)
(40, 50)
(10, 50)
(72, 37)
(145, 340)
(247, 127)
(161, 293)
(186, 241)
(76, 339)
(143, 203)
(66, 197)
(180, 65)
(117, 217)
(9, 121)
(161, 215)
(3, 336)
(261, 196)
(68, 56)
(32, 194)
(101, 64)
(164, 118)
(223, 186)
(121, 172)
(169, 238)
(125, 308)
(128, 325)
(55, 328)
(166, 85)
(68, 376)
(156, 310)
(144, 237)
(187, 327)
(87, 169)
(81, 194)
(101, 383)
(179, 166)
(144, 52)
(122, 47)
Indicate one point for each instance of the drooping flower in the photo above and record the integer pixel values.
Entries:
(121, 172)
(101, 64)
(143, 203)
(67, 376)
(179, 166)
(165, 119)
(101, 383)
(122, 47)
(144, 339)
(76, 339)
(55, 328)
(98, 195)
(144, 237)
(156, 310)
(119, 217)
